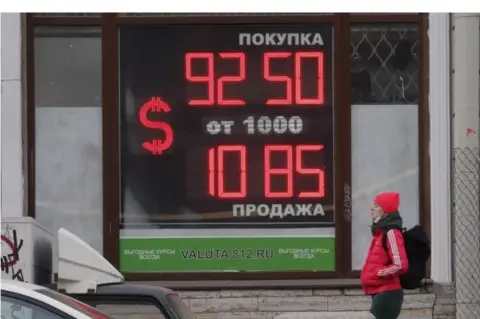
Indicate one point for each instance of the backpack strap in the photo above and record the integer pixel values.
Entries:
(384, 241)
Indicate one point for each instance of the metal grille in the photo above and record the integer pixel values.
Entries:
(466, 231)
(385, 64)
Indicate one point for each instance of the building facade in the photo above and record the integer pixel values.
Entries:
(234, 157)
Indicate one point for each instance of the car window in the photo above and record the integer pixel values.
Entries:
(75, 304)
(181, 309)
(18, 309)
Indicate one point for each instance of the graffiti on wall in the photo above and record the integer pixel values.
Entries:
(347, 203)
(11, 247)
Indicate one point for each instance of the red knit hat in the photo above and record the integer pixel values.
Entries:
(389, 201)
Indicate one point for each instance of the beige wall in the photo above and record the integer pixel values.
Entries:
(12, 177)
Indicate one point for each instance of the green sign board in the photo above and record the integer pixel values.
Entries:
(227, 254)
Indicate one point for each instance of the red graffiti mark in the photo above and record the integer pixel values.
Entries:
(471, 131)
(13, 260)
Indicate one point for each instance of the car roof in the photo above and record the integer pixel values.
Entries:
(34, 292)
(18, 286)
(116, 289)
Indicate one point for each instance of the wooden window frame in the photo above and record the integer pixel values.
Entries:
(109, 22)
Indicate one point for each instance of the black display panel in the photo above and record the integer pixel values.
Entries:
(227, 126)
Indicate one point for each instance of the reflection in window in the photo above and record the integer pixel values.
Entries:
(68, 131)
(384, 64)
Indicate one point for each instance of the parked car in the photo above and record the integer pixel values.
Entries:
(22, 300)
(87, 286)
(121, 300)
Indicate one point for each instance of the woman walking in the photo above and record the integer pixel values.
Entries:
(380, 275)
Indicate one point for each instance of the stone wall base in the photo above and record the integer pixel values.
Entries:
(444, 306)
(438, 302)
(296, 304)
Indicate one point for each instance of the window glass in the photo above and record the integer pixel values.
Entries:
(18, 309)
(384, 125)
(68, 67)
(226, 146)
(385, 161)
(68, 135)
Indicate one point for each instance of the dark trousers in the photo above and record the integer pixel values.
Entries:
(387, 304)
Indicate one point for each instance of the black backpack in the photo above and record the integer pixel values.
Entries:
(417, 247)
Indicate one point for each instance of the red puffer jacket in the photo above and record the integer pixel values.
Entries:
(381, 272)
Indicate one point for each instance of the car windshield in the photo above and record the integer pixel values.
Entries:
(180, 308)
(75, 304)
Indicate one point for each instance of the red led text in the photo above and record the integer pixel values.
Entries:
(156, 146)
(293, 84)
(209, 79)
(294, 157)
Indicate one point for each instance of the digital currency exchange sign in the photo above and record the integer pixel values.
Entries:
(228, 126)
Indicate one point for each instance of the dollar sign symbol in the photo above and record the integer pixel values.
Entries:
(156, 146)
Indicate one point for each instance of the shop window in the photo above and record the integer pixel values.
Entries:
(68, 131)
(385, 124)
(227, 148)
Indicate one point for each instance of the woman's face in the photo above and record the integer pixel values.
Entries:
(376, 211)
